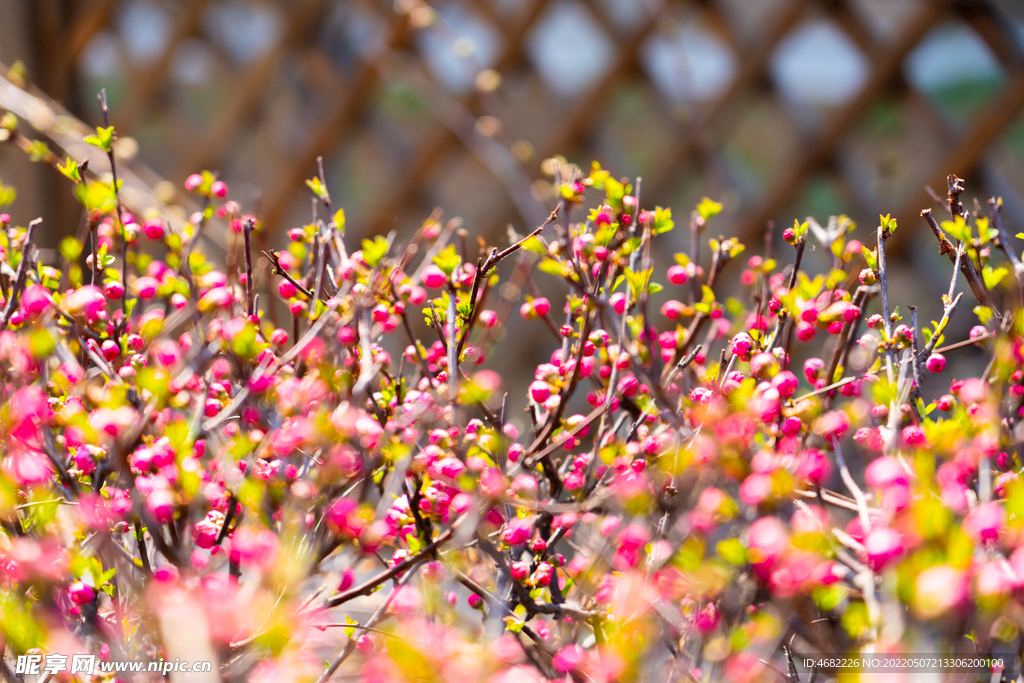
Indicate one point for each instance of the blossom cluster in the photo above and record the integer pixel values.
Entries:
(242, 458)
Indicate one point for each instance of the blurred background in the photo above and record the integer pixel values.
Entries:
(780, 109)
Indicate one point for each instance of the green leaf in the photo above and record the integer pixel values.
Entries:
(871, 257)
(37, 151)
(96, 196)
(70, 169)
(993, 277)
(614, 192)
(638, 281)
(708, 208)
(888, 223)
(732, 551)
(800, 229)
(597, 176)
(339, 220)
(663, 220)
(984, 314)
(551, 267)
(103, 139)
(448, 260)
(318, 188)
(957, 228)
(1020, 235)
(374, 251)
(7, 194)
(535, 245)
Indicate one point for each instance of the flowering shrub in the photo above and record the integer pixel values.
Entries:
(181, 477)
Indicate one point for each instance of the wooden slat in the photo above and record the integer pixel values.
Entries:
(886, 69)
(412, 175)
(144, 83)
(966, 152)
(251, 87)
(692, 135)
(340, 116)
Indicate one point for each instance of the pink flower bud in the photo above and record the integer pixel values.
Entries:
(433, 277)
(914, 436)
(110, 349)
(568, 658)
(540, 391)
(786, 382)
(193, 182)
(153, 229)
(520, 570)
(883, 545)
(81, 593)
(618, 302)
(984, 523)
(146, 287)
(936, 363)
(677, 275)
(286, 289)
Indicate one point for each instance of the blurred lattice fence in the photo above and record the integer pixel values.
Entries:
(783, 108)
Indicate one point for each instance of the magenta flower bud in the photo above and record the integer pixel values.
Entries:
(618, 302)
(434, 572)
(945, 403)
(520, 570)
(629, 385)
(286, 289)
(153, 229)
(786, 382)
(978, 331)
(813, 368)
(672, 309)
(707, 619)
(677, 275)
(81, 593)
(541, 306)
(984, 523)
(161, 503)
(193, 182)
(348, 579)
(791, 426)
(768, 540)
(883, 546)
(742, 344)
(805, 331)
(219, 189)
(146, 287)
(365, 644)
(568, 658)
(515, 451)
(936, 363)
(347, 336)
(538, 545)
(110, 349)
(876, 321)
(113, 289)
(540, 391)
(914, 436)
(475, 601)
(35, 299)
(545, 572)
(814, 466)
(433, 277)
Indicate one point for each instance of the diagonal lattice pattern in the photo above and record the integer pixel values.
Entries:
(782, 107)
